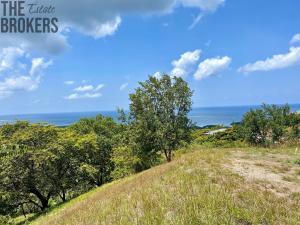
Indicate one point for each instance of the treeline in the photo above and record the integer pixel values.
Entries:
(43, 165)
(267, 126)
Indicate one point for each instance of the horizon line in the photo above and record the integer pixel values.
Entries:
(115, 110)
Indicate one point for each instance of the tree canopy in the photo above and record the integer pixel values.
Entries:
(159, 111)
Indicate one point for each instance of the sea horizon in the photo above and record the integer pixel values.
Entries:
(201, 116)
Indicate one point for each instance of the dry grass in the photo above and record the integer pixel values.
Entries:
(196, 188)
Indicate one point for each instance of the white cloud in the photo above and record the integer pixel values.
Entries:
(123, 86)
(9, 57)
(99, 87)
(196, 21)
(42, 43)
(75, 96)
(69, 82)
(204, 5)
(103, 29)
(97, 19)
(295, 39)
(212, 66)
(84, 88)
(86, 91)
(275, 62)
(157, 75)
(184, 65)
(28, 81)
(38, 65)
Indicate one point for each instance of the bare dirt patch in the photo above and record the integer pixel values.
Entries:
(270, 173)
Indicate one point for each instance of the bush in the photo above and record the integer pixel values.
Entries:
(228, 138)
(266, 125)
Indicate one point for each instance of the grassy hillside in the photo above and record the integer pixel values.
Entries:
(230, 186)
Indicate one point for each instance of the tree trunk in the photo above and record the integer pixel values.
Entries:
(168, 154)
(43, 200)
(63, 195)
(23, 211)
(169, 159)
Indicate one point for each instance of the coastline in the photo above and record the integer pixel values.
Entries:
(202, 117)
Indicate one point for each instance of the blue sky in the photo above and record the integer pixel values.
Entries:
(238, 53)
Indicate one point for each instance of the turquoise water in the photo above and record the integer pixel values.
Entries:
(201, 116)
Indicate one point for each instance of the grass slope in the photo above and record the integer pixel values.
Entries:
(202, 187)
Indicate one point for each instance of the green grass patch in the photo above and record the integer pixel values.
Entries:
(193, 189)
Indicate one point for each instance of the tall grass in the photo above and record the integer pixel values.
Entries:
(194, 189)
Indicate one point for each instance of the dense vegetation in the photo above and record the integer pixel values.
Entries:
(266, 126)
(42, 165)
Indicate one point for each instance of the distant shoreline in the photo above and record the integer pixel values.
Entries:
(204, 116)
(110, 111)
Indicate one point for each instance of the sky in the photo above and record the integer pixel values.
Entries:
(231, 52)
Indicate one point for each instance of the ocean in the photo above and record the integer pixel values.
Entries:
(200, 116)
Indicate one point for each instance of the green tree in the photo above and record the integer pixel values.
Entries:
(95, 148)
(65, 176)
(95, 156)
(125, 162)
(265, 125)
(159, 116)
(255, 127)
(37, 163)
(24, 173)
(100, 125)
(278, 120)
(26, 164)
(294, 122)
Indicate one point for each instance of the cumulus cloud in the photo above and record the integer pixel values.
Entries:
(184, 65)
(69, 82)
(75, 96)
(212, 66)
(97, 19)
(8, 57)
(275, 62)
(38, 65)
(123, 86)
(42, 43)
(99, 30)
(16, 76)
(295, 39)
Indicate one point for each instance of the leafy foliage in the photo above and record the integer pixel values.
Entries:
(159, 109)
(268, 124)
(125, 162)
(40, 162)
(43, 165)
(230, 137)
